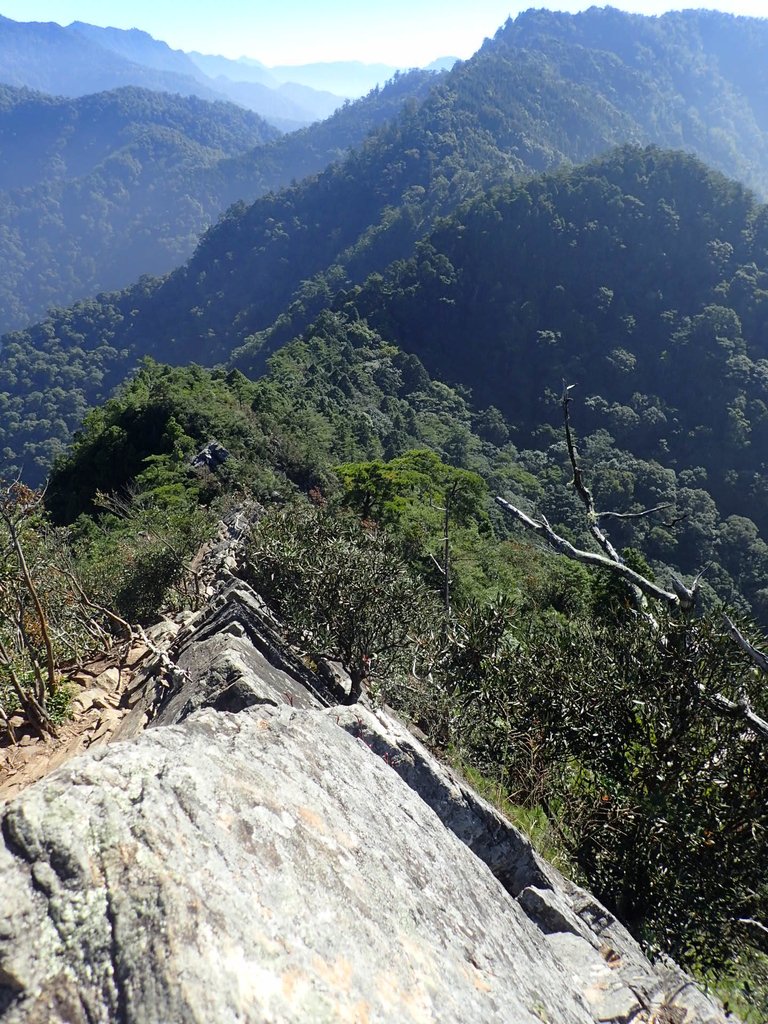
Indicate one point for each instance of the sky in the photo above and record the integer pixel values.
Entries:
(401, 33)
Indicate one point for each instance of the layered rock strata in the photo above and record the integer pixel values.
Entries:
(248, 849)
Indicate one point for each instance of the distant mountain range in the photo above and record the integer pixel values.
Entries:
(644, 262)
(342, 78)
(98, 190)
(80, 59)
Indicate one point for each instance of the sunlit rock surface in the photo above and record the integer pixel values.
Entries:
(261, 853)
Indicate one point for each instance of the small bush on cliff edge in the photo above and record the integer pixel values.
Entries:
(342, 588)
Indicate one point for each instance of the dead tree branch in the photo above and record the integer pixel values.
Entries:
(752, 923)
(634, 515)
(741, 641)
(16, 504)
(33, 710)
(680, 596)
(445, 568)
(685, 599)
(639, 586)
(89, 603)
(739, 711)
(542, 528)
(580, 486)
(8, 726)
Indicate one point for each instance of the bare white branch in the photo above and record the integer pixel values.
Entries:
(564, 547)
(738, 637)
(634, 515)
(753, 924)
(739, 711)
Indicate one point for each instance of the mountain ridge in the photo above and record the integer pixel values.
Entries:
(83, 213)
(289, 97)
(495, 931)
(48, 58)
(265, 272)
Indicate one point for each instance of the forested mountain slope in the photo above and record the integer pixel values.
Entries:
(549, 88)
(425, 301)
(140, 48)
(297, 155)
(690, 80)
(44, 137)
(508, 111)
(101, 189)
(621, 276)
(98, 190)
(569, 705)
(289, 254)
(640, 278)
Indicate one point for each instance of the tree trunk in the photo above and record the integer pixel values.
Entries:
(357, 677)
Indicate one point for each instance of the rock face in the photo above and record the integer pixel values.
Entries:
(260, 853)
(210, 457)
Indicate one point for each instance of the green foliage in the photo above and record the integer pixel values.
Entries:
(612, 598)
(744, 989)
(341, 389)
(388, 492)
(658, 796)
(145, 437)
(59, 705)
(596, 719)
(343, 588)
(542, 679)
(136, 561)
(431, 507)
(654, 434)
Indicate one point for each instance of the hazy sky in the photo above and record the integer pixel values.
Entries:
(396, 32)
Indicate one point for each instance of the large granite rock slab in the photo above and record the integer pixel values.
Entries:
(263, 854)
(261, 866)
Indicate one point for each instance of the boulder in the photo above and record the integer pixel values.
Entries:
(210, 457)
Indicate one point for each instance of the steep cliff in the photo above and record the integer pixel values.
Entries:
(248, 849)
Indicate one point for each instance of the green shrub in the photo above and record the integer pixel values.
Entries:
(342, 587)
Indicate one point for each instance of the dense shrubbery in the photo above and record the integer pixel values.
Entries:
(658, 798)
(344, 589)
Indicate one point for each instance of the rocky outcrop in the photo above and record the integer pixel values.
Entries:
(247, 849)
(210, 457)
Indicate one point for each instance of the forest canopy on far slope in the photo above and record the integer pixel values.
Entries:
(623, 278)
